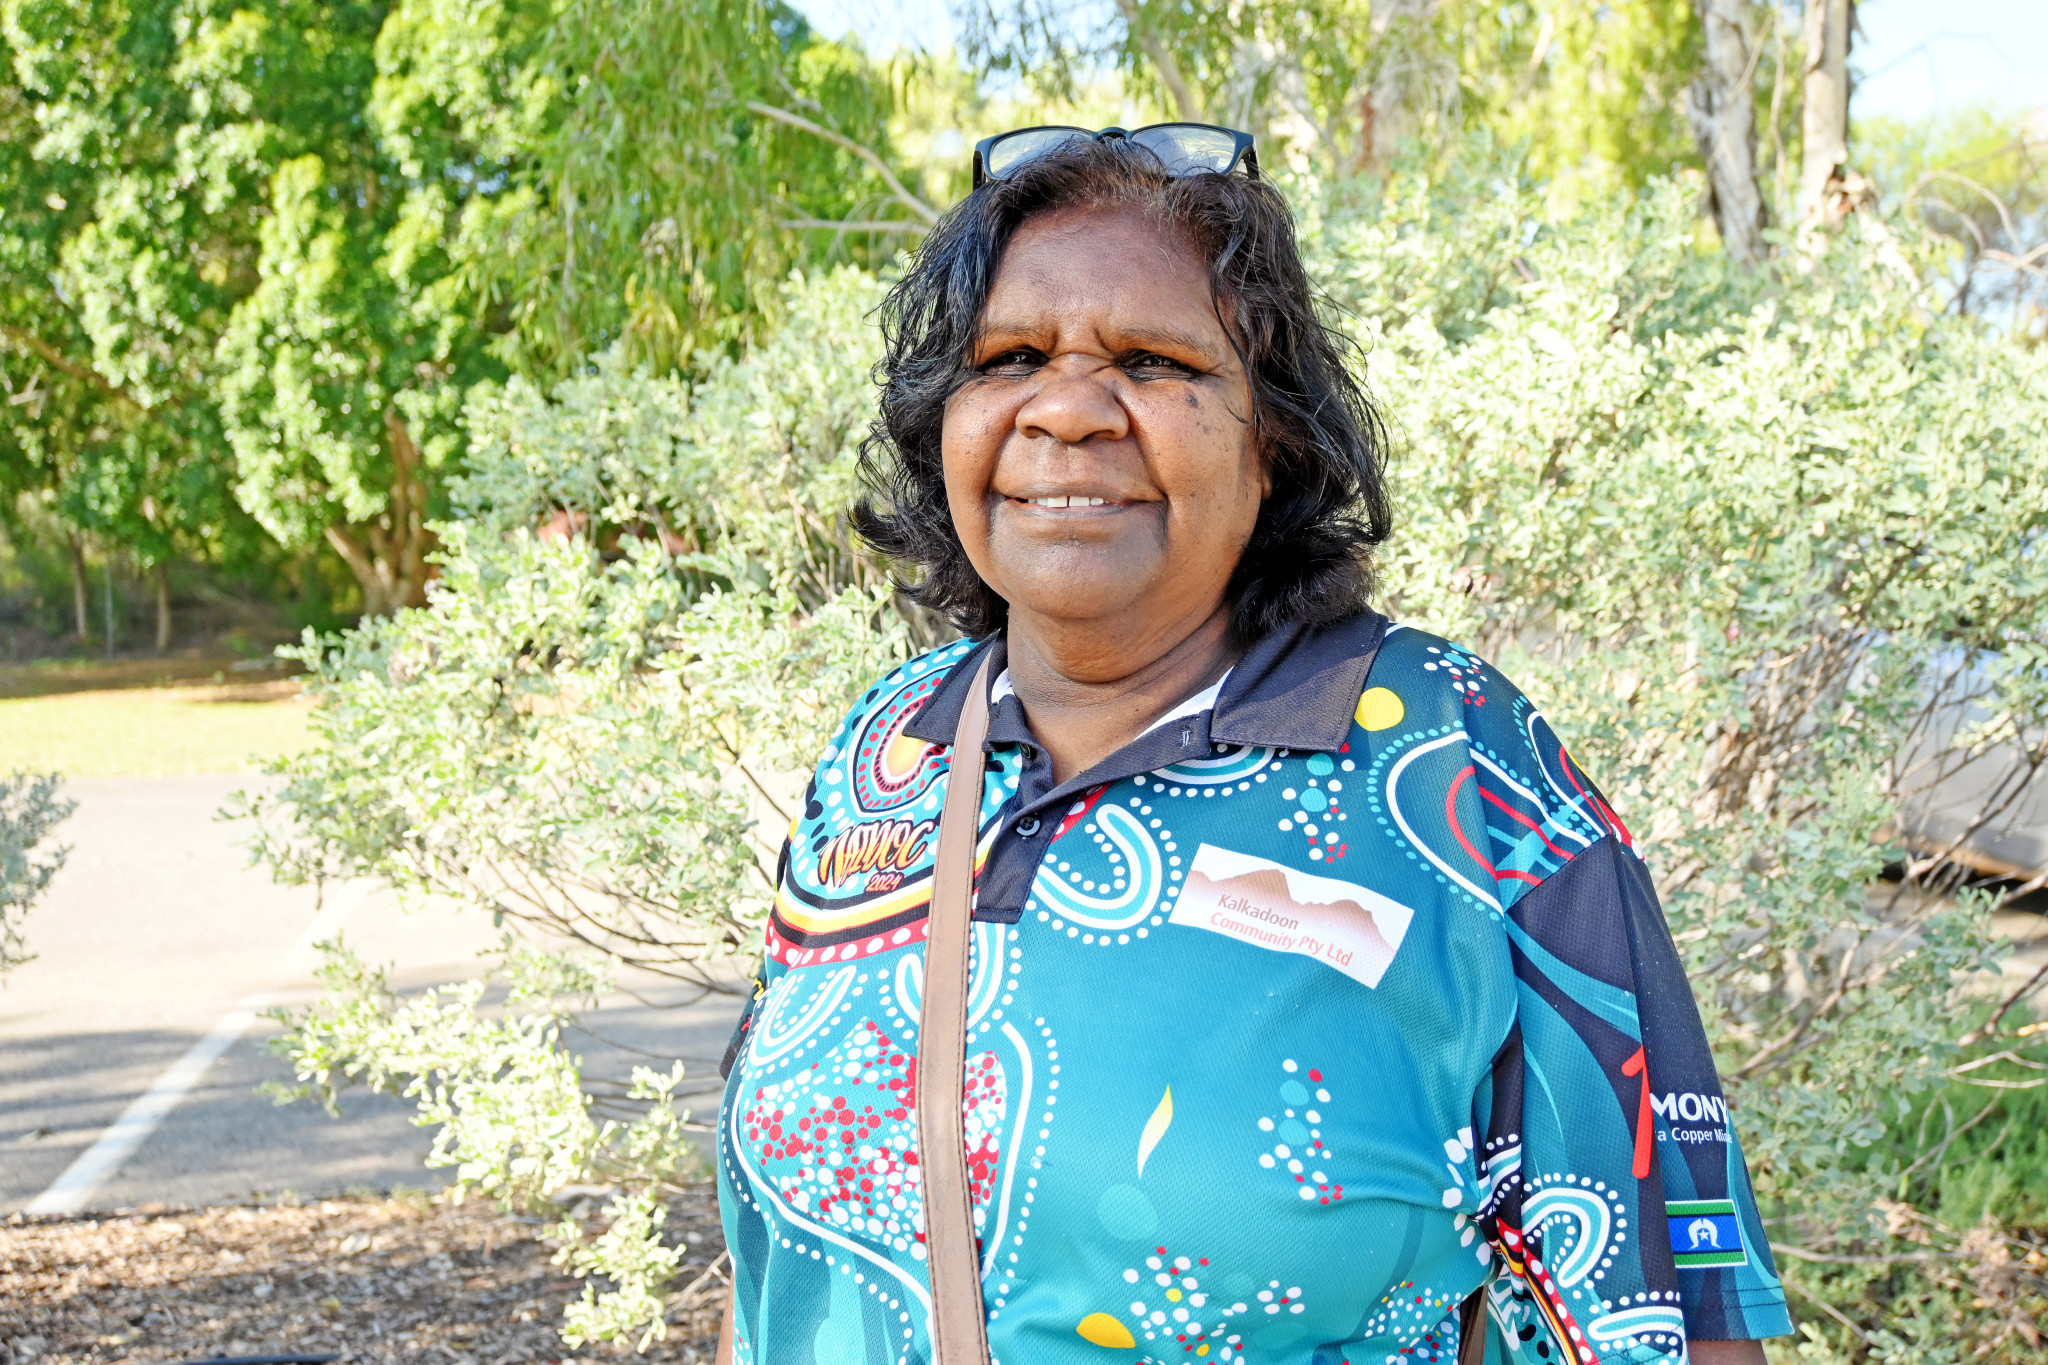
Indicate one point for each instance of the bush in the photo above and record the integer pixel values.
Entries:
(649, 616)
(1768, 549)
(29, 811)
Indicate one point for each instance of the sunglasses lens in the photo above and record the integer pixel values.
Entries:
(1014, 150)
(1188, 148)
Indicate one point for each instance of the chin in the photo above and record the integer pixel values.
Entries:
(1072, 600)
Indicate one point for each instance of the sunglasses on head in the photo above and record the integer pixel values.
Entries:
(1183, 148)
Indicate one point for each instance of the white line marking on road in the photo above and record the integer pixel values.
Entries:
(81, 1180)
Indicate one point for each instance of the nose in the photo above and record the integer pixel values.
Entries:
(1073, 405)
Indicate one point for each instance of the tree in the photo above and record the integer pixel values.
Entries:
(1975, 176)
(1296, 74)
(1722, 108)
(301, 233)
(654, 167)
(609, 718)
(1825, 195)
(1594, 93)
(110, 433)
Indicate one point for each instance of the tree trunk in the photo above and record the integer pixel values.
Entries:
(388, 556)
(107, 595)
(163, 607)
(1409, 79)
(1824, 197)
(1186, 106)
(1723, 116)
(81, 591)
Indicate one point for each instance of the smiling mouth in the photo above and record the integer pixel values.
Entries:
(1069, 501)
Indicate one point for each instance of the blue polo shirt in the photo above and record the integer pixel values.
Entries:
(1338, 994)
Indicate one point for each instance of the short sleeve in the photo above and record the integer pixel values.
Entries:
(1617, 1199)
(768, 970)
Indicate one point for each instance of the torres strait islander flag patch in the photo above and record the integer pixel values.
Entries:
(1705, 1233)
(1270, 905)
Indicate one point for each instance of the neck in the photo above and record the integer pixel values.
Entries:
(1088, 692)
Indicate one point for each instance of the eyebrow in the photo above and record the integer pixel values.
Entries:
(1136, 336)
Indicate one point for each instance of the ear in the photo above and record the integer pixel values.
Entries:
(1262, 457)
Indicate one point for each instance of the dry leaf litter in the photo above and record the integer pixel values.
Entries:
(403, 1279)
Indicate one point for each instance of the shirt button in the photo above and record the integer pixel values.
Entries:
(1028, 826)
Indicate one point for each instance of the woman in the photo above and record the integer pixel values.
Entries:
(1314, 987)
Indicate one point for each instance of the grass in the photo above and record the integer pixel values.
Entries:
(1997, 1165)
(152, 732)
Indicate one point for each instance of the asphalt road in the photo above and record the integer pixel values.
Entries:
(157, 929)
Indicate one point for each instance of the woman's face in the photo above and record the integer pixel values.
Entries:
(1100, 464)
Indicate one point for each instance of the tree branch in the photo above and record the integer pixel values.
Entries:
(850, 225)
(903, 196)
(63, 364)
(1161, 56)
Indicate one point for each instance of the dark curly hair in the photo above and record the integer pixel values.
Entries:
(1309, 558)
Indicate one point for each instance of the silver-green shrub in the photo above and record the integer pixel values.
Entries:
(30, 810)
(650, 615)
(1768, 549)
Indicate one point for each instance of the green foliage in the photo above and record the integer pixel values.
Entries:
(1963, 1271)
(96, 433)
(1750, 544)
(567, 737)
(1977, 1146)
(557, 739)
(622, 202)
(301, 234)
(1768, 550)
(512, 1115)
(1974, 175)
(29, 811)
(1595, 92)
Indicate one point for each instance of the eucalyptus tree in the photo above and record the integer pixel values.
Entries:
(1594, 93)
(107, 428)
(642, 172)
(299, 234)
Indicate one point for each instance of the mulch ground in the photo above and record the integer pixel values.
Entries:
(370, 1279)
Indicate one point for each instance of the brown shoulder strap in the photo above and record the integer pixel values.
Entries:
(959, 1330)
(1472, 1328)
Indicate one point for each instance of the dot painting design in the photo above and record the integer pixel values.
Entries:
(1171, 1307)
(1296, 1135)
(1319, 808)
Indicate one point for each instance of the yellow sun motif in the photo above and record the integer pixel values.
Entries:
(901, 758)
(1104, 1330)
(1380, 709)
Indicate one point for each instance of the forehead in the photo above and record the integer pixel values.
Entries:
(1110, 265)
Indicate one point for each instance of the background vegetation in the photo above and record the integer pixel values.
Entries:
(535, 332)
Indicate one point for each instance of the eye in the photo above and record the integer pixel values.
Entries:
(1152, 365)
(1016, 360)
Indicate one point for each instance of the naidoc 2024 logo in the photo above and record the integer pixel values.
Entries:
(882, 849)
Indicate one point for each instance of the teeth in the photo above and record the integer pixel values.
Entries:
(1069, 502)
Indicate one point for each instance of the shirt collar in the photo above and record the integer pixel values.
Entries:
(1295, 689)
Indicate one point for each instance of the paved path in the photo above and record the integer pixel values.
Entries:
(155, 931)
